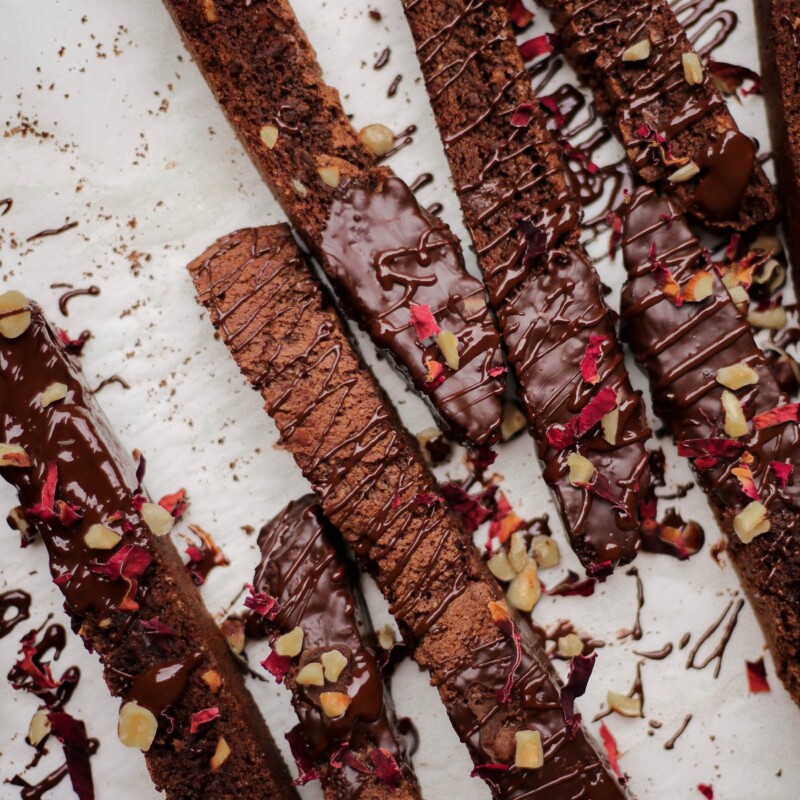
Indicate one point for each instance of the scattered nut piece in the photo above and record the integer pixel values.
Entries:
(751, 521)
(334, 704)
(299, 187)
(213, 680)
(773, 319)
(269, 135)
(333, 662)
(386, 637)
(692, 69)
(637, 52)
(12, 455)
(771, 274)
(500, 567)
(768, 243)
(513, 421)
(529, 753)
(290, 644)
(736, 376)
(220, 754)
(210, 10)
(517, 553)
(735, 420)
(739, 295)
(570, 645)
(330, 176)
(378, 139)
(233, 630)
(16, 520)
(448, 344)
(137, 726)
(104, 623)
(99, 537)
(545, 551)
(525, 590)
(610, 425)
(39, 728)
(622, 704)
(311, 675)
(52, 394)
(474, 303)
(684, 173)
(157, 519)
(699, 287)
(581, 469)
(15, 314)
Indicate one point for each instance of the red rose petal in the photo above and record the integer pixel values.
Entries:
(302, 758)
(715, 448)
(782, 471)
(706, 790)
(757, 676)
(128, 564)
(580, 670)
(175, 503)
(601, 487)
(435, 375)
(423, 322)
(155, 626)
(790, 412)
(73, 346)
(203, 717)
(386, 767)
(591, 359)
(40, 674)
(48, 509)
(261, 603)
(730, 77)
(71, 733)
(496, 372)
(561, 437)
(523, 114)
(277, 666)
(610, 744)
(538, 46)
(550, 104)
(744, 475)
(520, 16)
(489, 767)
(470, 508)
(426, 499)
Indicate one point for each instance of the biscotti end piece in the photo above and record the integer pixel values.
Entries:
(76, 475)
(323, 622)
(678, 133)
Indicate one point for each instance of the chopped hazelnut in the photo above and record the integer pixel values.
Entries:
(299, 187)
(39, 728)
(378, 139)
(768, 243)
(52, 394)
(525, 590)
(474, 303)
(99, 537)
(773, 319)
(517, 553)
(448, 344)
(210, 10)
(500, 567)
(386, 637)
(333, 662)
(513, 421)
(637, 52)
(213, 680)
(157, 519)
(751, 521)
(529, 752)
(269, 135)
(15, 314)
(12, 455)
(736, 376)
(290, 644)
(311, 675)
(334, 704)
(137, 726)
(610, 425)
(16, 520)
(330, 176)
(220, 754)
(105, 623)
(545, 551)
(622, 704)
(684, 173)
(233, 630)
(581, 469)
(570, 645)
(735, 420)
(699, 287)
(692, 69)
(738, 294)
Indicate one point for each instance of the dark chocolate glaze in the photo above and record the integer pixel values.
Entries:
(656, 655)
(108, 381)
(670, 743)
(274, 319)
(92, 291)
(163, 685)
(20, 602)
(681, 349)
(67, 226)
(548, 302)
(303, 566)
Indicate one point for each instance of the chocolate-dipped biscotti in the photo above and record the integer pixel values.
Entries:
(125, 587)
(655, 92)
(778, 26)
(373, 485)
(525, 221)
(713, 388)
(398, 269)
(324, 647)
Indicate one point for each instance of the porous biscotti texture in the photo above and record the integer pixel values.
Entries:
(682, 348)
(381, 250)
(661, 117)
(100, 482)
(508, 167)
(778, 26)
(374, 487)
(305, 568)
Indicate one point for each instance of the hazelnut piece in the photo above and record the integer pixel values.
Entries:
(311, 675)
(751, 521)
(299, 187)
(513, 421)
(692, 69)
(157, 519)
(684, 173)
(610, 425)
(637, 52)
(12, 455)
(570, 645)
(290, 644)
(500, 566)
(735, 420)
(581, 469)
(545, 551)
(269, 135)
(39, 728)
(220, 754)
(386, 637)
(210, 10)
(773, 319)
(525, 590)
(52, 394)
(99, 537)
(699, 287)
(333, 663)
(137, 726)
(529, 752)
(736, 376)
(622, 704)
(448, 344)
(330, 176)
(517, 553)
(15, 314)
(213, 680)
(334, 704)
(378, 139)
(233, 630)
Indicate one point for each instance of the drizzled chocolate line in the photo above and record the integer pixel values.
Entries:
(681, 349)
(98, 483)
(304, 568)
(367, 472)
(650, 102)
(20, 602)
(383, 252)
(546, 294)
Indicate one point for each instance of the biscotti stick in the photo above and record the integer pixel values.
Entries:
(373, 485)
(518, 204)
(675, 126)
(714, 390)
(398, 270)
(126, 589)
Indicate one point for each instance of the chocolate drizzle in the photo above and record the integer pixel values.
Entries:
(522, 210)
(92, 291)
(368, 476)
(67, 226)
(163, 685)
(304, 568)
(719, 651)
(20, 602)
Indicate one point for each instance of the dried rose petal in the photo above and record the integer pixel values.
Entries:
(48, 509)
(423, 322)
(744, 475)
(580, 670)
(73, 346)
(730, 77)
(155, 626)
(496, 372)
(469, 507)
(668, 284)
(561, 436)
(277, 666)
(615, 223)
(386, 767)
(71, 733)
(435, 376)
(610, 744)
(757, 676)
(40, 674)
(302, 757)
(523, 114)
(706, 790)
(427, 499)
(485, 770)
(520, 16)
(541, 45)
(550, 104)
(335, 759)
(261, 603)
(203, 717)
(601, 487)
(128, 564)
(715, 448)
(591, 359)
(175, 503)
(535, 241)
(790, 412)
(782, 471)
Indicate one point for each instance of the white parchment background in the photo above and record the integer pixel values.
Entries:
(124, 137)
